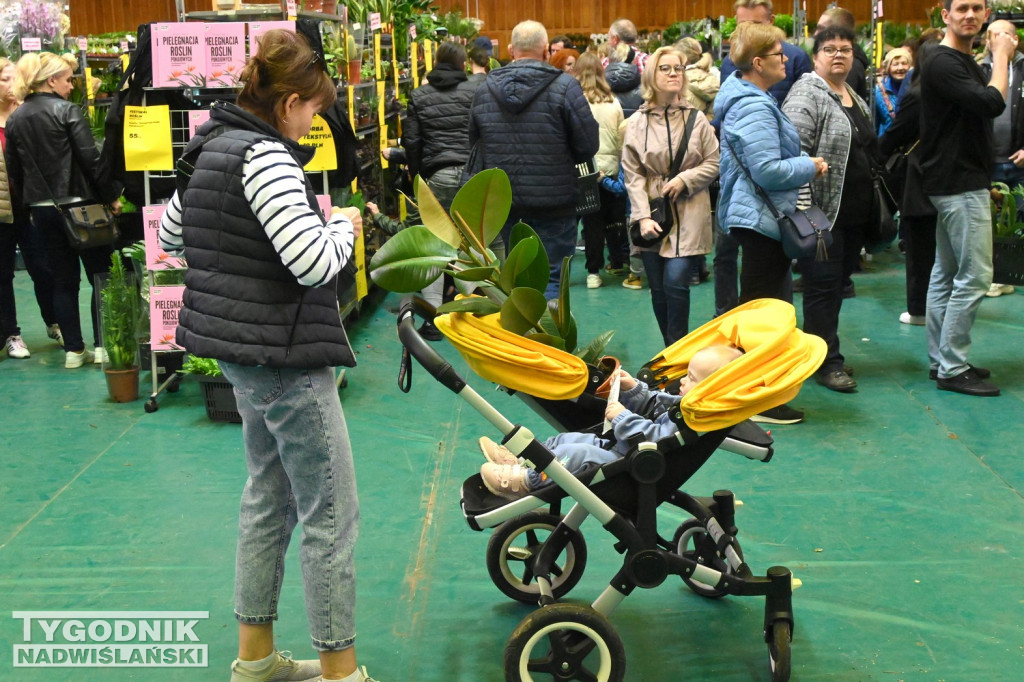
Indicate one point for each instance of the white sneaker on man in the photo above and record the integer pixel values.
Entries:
(100, 356)
(593, 281)
(907, 318)
(999, 289)
(16, 348)
(73, 360)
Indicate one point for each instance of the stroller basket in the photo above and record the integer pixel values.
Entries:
(623, 496)
(589, 200)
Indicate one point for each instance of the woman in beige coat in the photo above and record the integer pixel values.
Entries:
(653, 136)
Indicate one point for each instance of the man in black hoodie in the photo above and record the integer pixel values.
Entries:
(533, 121)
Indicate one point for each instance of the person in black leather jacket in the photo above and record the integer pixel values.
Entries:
(624, 80)
(47, 131)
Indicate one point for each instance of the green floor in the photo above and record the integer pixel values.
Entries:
(898, 506)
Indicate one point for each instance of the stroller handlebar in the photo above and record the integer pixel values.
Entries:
(419, 348)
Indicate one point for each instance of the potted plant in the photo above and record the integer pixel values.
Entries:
(221, 404)
(457, 245)
(119, 317)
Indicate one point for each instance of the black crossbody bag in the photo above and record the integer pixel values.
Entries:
(661, 206)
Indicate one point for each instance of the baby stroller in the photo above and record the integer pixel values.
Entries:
(573, 642)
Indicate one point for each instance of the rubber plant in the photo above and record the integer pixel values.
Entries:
(119, 312)
(457, 245)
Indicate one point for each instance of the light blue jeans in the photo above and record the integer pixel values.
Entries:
(300, 471)
(575, 450)
(960, 277)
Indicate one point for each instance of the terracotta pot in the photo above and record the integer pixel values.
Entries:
(607, 365)
(355, 69)
(123, 384)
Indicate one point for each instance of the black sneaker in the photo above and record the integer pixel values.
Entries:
(982, 373)
(969, 383)
(783, 414)
(431, 333)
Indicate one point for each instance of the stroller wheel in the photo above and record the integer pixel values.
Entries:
(565, 642)
(512, 553)
(693, 542)
(778, 650)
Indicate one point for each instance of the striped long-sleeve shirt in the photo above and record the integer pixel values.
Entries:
(273, 185)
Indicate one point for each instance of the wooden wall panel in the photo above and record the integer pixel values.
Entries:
(104, 16)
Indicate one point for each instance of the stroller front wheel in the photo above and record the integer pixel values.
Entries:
(512, 554)
(778, 650)
(565, 642)
(693, 542)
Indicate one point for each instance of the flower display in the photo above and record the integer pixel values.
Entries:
(32, 19)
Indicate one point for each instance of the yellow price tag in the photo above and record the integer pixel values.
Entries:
(376, 55)
(428, 55)
(147, 138)
(380, 102)
(415, 63)
(383, 145)
(326, 156)
(360, 256)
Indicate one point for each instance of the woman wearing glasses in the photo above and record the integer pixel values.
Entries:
(760, 157)
(261, 296)
(653, 137)
(834, 123)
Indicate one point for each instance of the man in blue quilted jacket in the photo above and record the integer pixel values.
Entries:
(533, 121)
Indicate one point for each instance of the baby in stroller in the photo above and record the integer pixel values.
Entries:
(642, 414)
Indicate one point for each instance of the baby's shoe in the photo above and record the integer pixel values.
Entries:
(496, 453)
(505, 480)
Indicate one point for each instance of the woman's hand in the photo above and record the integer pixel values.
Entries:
(649, 229)
(820, 167)
(673, 188)
(353, 214)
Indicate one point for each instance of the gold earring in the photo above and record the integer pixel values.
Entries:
(284, 120)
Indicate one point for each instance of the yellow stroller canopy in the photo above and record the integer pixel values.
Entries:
(512, 360)
(777, 359)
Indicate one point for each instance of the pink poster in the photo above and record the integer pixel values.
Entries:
(258, 28)
(164, 305)
(156, 258)
(195, 119)
(225, 53)
(179, 56)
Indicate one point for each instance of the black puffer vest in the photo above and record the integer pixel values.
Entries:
(241, 303)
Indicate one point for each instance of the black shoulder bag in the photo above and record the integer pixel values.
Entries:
(87, 223)
(804, 232)
(661, 206)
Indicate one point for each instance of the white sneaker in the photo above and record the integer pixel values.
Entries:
(73, 360)
(283, 667)
(907, 318)
(998, 290)
(100, 356)
(16, 348)
(593, 281)
(496, 453)
(505, 480)
(53, 331)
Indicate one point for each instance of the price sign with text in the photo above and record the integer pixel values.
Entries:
(147, 138)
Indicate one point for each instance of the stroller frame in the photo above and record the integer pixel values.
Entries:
(714, 568)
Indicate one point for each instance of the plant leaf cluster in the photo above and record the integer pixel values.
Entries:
(119, 312)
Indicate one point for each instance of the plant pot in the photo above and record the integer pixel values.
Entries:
(607, 365)
(123, 384)
(355, 68)
(221, 404)
(1008, 260)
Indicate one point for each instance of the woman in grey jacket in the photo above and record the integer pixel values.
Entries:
(833, 122)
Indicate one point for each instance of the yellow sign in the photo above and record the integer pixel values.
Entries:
(380, 102)
(415, 66)
(428, 55)
(360, 255)
(147, 139)
(326, 157)
(383, 145)
(376, 55)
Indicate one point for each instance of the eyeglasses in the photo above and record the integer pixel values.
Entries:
(831, 51)
(671, 68)
(780, 53)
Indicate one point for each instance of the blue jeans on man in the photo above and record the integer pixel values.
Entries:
(557, 234)
(960, 277)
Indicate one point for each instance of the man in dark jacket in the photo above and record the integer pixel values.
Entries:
(533, 121)
(624, 80)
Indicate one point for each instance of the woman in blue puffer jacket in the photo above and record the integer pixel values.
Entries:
(757, 136)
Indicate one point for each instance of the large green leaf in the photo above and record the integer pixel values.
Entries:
(484, 204)
(537, 273)
(410, 260)
(477, 305)
(523, 309)
(475, 274)
(564, 311)
(518, 262)
(433, 215)
(595, 349)
(547, 340)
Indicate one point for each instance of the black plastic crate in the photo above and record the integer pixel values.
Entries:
(1008, 260)
(587, 181)
(221, 405)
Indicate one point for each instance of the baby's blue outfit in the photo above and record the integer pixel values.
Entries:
(575, 450)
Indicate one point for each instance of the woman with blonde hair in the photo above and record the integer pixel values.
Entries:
(608, 223)
(898, 62)
(14, 233)
(49, 132)
(664, 127)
